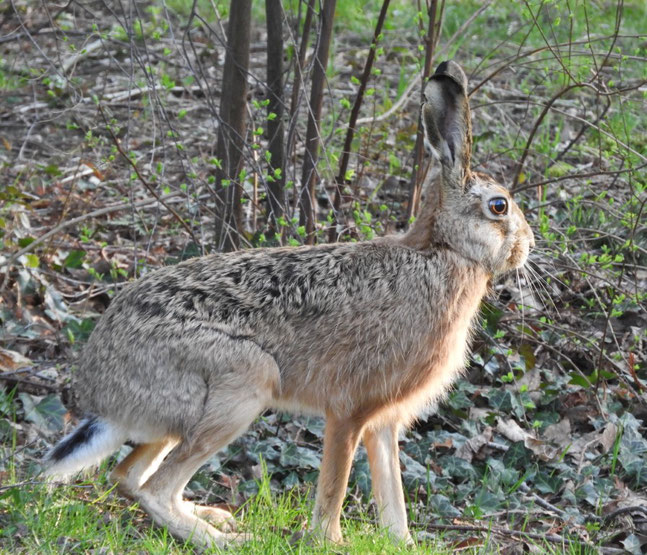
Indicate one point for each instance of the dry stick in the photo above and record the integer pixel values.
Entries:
(535, 128)
(542, 502)
(566, 89)
(602, 131)
(582, 130)
(616, 32)
(298, 77)
(47, 483)
(38, 386)
(599, 129)
(143, 181)
(404, 97)
(577, 176)
(343, 163)
(100, 212)
(31, 32)
(307, 200)
(528, 53)
(541, 32)
(607, 326)
(618, 512)
(500, 531)
(84, 52)
(414, 184)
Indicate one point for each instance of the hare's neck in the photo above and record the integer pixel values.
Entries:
(420, 234)
(467, 279)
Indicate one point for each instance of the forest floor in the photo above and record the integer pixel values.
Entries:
(542, 447)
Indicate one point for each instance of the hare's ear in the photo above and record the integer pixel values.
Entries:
(446, 119)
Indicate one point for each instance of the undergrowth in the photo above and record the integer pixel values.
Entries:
(542, 446)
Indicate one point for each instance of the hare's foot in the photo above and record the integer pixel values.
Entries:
(181, 522)
(224, 520)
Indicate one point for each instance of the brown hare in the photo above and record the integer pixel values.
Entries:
(368, 334)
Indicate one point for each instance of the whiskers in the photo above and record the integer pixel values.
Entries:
(538, 285)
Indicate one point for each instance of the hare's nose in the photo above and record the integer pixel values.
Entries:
(531, 238)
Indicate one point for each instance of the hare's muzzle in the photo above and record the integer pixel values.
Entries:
(519, 253)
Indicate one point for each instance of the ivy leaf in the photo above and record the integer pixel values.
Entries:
(517, 456)
(632, 544)
(458, 468)
(296, 456)
(547, 483)
(46, 414)
(442, 506)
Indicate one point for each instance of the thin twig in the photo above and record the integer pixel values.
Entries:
(143, 181)
(100, 212)
(352, 124)
(500, 531)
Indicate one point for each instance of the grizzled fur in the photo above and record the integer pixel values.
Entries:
(332, 317)
(367, 334)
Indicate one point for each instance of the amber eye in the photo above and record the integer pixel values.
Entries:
(498, 206)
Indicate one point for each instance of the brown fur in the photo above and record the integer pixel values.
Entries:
(368, 334)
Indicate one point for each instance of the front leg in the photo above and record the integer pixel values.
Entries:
(340, 442)
(382, 449)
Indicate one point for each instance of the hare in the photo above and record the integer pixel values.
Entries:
(368, 334)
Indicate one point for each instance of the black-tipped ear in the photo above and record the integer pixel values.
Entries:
(446, 118)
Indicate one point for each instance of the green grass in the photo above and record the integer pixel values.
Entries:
(85, 516)
(36, 518)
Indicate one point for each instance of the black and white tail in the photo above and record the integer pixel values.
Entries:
(91, 442)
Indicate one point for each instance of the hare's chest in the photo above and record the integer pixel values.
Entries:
(440, 363)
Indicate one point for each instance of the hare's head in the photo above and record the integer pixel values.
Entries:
(465, 211)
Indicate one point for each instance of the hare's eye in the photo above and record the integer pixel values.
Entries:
(498, 206)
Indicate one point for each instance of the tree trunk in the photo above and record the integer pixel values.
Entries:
(307, 200)
(275, 131)
(232, 129)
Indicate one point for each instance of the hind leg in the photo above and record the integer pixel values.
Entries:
(161, 495)
(131, 473)
(235, 398)
(224, 519)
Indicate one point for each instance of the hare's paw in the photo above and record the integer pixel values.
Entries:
(224, 520)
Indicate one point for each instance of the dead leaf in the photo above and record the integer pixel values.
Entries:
(512, 431)
(604, 439)
(11, 361)
(531, 382)
(608, 437)
(559, 433)
(447, 444)
(473, 445)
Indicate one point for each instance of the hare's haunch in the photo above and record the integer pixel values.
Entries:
(368, 334)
